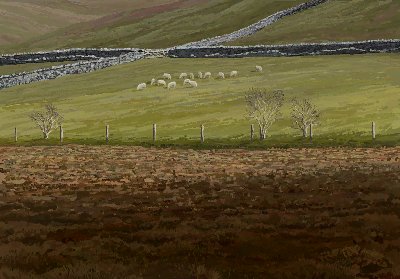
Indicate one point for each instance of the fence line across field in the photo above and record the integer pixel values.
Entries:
(202, 135)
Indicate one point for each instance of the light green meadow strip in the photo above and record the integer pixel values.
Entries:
(351, 91)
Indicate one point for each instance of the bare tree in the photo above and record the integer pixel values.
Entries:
(48, 120)
(304, 114)
(264, 107)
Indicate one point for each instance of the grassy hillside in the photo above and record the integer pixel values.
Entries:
(351, 91)
(162, 25)
(22, 20)
(334, 21)
(40, 24)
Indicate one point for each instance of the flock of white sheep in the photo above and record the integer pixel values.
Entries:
(188, 79)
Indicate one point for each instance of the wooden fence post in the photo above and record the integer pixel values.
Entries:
(16, 134)
(61, 134)
(373, 130)
(154, 132)
(107, 133)
(311, 132)
(252, 132)
(202, 133)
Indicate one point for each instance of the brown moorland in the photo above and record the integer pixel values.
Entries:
(134, 212)
(22, 20)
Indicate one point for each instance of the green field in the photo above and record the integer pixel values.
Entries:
(12, 69)
(334, 21)
(157, 27)
(351, 91)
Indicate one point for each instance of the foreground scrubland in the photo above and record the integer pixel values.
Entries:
(124, 212)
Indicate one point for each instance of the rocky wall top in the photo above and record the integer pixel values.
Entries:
(361, 47)
(75, 68)
(254, 28)
(75, 54)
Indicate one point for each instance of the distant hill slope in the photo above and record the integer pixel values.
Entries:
(162, 24)
(334, 21)
(21, 20)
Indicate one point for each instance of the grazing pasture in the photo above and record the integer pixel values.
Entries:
(350, 92)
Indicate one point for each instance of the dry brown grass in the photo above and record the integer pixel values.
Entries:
(23, 20)
(115, 212)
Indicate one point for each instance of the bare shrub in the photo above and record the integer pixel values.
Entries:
(304, 114)
(48, 120)
(264, 107)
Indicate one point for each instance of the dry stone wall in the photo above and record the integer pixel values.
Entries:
(76, 54)
(95, 59)
(254, 28)
(75, 68)
(375, 46)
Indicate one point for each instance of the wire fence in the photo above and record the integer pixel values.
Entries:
(202, 136)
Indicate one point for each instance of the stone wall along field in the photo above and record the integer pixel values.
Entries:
(375, 46)
(75, 68)
(75, 54)
(254, 28)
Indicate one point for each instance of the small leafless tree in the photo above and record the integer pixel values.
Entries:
(48, 120)
(264, 107)
(304, 114)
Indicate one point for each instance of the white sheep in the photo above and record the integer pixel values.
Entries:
(221, 75)
(183, 75)
(167, 76)
(200, 75)
(207, 75)
(191, 76)
(192, 84)
(141, 86)
(234, 74)
(161, 82)
(172, 85)
(259, 69)
(186, 81)
(153, 81)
